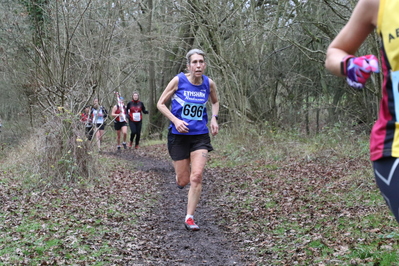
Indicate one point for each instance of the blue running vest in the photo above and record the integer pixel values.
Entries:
(189, 104)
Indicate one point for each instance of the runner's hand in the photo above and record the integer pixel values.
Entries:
(214, 127)
(358, 69)
(181, 126)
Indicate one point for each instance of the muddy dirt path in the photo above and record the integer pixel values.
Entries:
(165, 234)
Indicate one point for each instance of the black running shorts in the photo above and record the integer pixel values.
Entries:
(386, 172)
(119, 125)
(180, 146)
(100, 126)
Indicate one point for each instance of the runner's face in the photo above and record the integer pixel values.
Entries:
(197, 65)
(135, 97)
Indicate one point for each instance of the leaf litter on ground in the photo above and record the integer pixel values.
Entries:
(299, 212)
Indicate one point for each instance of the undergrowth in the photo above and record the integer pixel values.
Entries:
(247, 144)
(304, 200)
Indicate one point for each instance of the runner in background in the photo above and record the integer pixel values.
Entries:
(98, 115)
(341, 61)
(86, 120)
(188, 138)
(120, 124)
(135, 109)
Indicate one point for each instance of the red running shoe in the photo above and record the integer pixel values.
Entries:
(190, 225)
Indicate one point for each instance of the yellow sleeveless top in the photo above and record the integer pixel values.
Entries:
(388, 29)
(384, 139)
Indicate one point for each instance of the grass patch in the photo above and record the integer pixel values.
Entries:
(39, 235)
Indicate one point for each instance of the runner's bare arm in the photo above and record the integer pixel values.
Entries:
(215, 107)
(113, 112)
(349, 39)
(164, 99)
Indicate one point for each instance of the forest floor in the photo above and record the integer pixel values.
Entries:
(317, 209)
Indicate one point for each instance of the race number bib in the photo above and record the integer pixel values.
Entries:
(136, 117)
(193, 111)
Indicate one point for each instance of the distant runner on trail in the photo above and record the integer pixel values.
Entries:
(86, 120)
(135, 108)
(384, 141)
(120, 125)
(188, 137)
(98, 115)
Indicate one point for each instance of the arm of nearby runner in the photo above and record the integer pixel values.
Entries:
(143, 108)
(105, 112)
(362, 22)
(215, 107)
(167, 94)
(113, 113)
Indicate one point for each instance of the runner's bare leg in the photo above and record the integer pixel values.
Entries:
(182, 169)
(198, 161)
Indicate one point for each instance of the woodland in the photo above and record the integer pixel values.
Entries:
(266, 57)
(281, 114)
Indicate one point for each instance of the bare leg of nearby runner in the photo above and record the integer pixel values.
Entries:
(186, 173)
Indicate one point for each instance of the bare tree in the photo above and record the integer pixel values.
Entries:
(266, 57)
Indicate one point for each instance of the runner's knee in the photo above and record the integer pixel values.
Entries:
(196, 178)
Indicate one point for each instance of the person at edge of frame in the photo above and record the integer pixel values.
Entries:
(342, 61)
